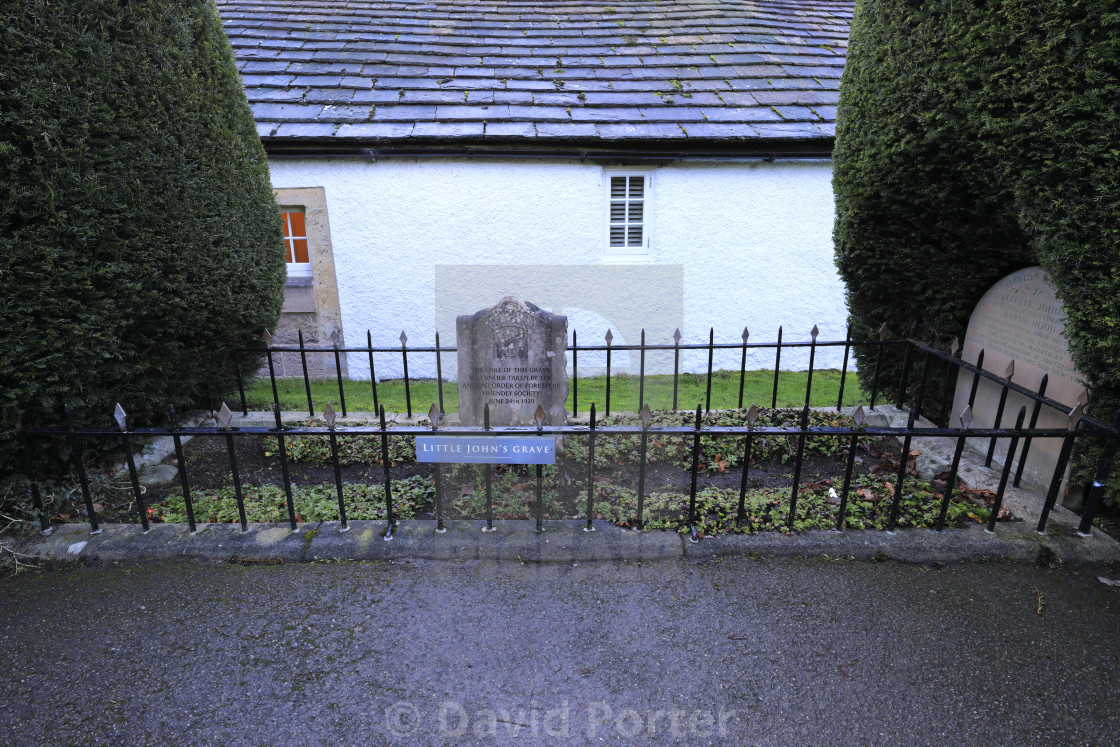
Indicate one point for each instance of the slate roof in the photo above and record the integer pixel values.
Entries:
(641, 71)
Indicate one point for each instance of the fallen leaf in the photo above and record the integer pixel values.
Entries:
(1109, 581)
(466, 490)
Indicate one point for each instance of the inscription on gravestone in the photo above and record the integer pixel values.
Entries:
(512, 356)
(1020, 319)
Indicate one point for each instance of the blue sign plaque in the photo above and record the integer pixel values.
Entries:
(486, 449)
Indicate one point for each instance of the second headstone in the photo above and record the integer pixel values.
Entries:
(512, 356)
(1020, 319)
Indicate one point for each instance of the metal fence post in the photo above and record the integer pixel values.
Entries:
(76, 453)
(844, 368)
(182, 464)
(1104, 466)
(306, 378)
(741, 515)
(695, 468)
(1007, 464)
(329, 416)
(743, 366)
(390, 519)
(590, 527)
(225, 420)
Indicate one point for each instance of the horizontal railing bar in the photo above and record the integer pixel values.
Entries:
(1012, 386)
(580, 430)
(592, 348)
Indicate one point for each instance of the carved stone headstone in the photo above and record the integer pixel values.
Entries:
(1019, 320)
(512, 356)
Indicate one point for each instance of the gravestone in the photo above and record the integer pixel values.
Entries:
(1020, 319)
(512, 356)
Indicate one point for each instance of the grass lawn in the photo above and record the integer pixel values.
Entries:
(758, 389)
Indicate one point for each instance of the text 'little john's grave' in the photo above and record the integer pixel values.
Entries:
(486, 449)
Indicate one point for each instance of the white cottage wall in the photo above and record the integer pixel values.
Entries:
(754, 240)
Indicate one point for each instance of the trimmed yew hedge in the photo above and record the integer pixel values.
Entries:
(975, 139)
(141, 242)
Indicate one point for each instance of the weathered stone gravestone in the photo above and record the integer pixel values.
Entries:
(512, 356)
(1020, 319)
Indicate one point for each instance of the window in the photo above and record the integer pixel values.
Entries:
(295, 242)
(627, 218)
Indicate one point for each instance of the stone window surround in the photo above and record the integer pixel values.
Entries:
(324, 284)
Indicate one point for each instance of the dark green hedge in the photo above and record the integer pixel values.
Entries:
(975, 139)
(139, 237)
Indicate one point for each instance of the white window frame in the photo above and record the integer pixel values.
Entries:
(297, 269)
(628, 253)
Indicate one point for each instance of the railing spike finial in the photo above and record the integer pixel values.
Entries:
(752, 416)
(858, 416)
(645, 414)
(815, 332)
(433, 415)
(266, 338)
(329, 415)
(403, 338)
(121, 417)
(677, 336)
(1010, 371)
(335, 337)
(883, 331)
(1083, 398)
(608, 337)
(966, 417)
(225, 416)
(746, 335)
(953, 348)
(539, 417)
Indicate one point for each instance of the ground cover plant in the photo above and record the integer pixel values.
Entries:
(767, 509)
(717, 453)
(563, 487)
(268, 503)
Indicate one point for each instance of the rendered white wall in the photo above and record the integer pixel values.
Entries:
(754, 239)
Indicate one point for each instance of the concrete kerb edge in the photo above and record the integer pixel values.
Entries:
(561, 542)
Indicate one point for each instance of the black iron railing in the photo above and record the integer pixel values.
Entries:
(269, 351)
(1080, 428)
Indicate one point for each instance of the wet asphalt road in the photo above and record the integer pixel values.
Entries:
(736, 651)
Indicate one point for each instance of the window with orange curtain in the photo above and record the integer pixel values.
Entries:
(295, 241)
